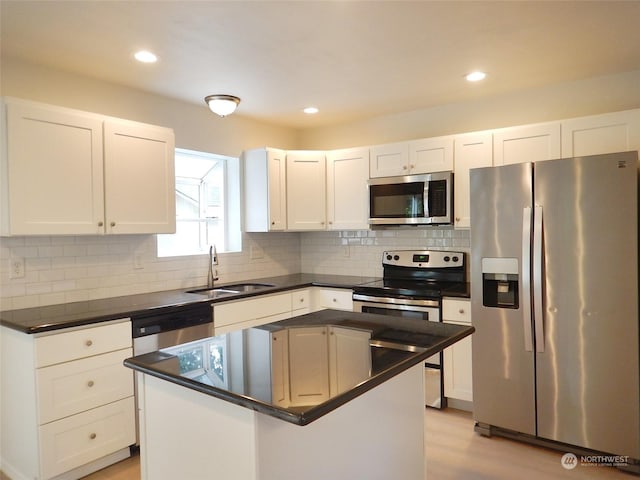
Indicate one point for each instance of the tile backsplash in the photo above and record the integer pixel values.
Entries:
(62, 269)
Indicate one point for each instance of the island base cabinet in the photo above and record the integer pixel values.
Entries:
(377, 436)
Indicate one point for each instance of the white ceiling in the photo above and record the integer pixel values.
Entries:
(350, 59)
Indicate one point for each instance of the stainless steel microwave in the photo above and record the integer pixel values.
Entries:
(411, 199)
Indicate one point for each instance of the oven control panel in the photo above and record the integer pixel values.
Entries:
(423, 258)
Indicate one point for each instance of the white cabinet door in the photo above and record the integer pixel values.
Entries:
(347, 199)
(431, 155)
(306, 191)
(529, 143)
(389, 160)
(139, 178)
(53, 172)
(608, 133)
(471, 151)
(308, 365)
(265, 190)
(458, 382)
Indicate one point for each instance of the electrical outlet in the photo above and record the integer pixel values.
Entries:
(137, 261)
(346, 251)
(16, 268)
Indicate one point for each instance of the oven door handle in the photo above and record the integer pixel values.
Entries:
(389, 302)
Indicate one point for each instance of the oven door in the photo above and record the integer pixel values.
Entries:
(428, 310)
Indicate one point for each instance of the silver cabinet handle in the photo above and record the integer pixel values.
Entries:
(526, 279)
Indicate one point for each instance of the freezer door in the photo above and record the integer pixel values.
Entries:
(587, 365)
(503, 358)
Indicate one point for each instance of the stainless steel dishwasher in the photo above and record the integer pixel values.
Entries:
(153, 330)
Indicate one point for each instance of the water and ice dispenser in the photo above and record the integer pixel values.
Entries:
(500, 282)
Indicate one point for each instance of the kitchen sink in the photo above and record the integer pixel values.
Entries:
(248, 287)
(216, 292)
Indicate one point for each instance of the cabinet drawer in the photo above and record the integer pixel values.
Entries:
(79, 439)
(300, 301)
(456, 311)
(251, 309)
(336, 298)
(74, 344)
(69, 388)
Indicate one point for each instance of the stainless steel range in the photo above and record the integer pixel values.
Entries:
(413, 284)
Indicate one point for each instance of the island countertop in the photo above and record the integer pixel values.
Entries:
(329, 357)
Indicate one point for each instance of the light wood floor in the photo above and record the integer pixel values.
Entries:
(455, 452)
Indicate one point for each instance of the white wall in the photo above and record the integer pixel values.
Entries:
(574, 99)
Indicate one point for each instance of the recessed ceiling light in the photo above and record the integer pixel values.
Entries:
(475, 76)
(145, 56)
(311, 110)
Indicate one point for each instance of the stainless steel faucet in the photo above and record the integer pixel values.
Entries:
(213, 272)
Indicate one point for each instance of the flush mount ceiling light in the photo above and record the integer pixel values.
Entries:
(222, 105)
(145, 56)
(475, 76)
(311, 110)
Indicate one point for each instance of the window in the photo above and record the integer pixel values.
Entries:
(207, 205)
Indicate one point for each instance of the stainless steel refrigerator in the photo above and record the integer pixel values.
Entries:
(554, 289)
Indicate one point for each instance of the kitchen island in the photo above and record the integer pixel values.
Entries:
(331, 394)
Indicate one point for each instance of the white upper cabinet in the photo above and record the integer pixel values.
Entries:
(529, 143)
(411, 158)
(607, 133)
(265, 190)
(139, 174)
(389, 160)
(473, 150)
(347, 202)
(431, 155)
(52, 172)
(67, 172)
(306, 190)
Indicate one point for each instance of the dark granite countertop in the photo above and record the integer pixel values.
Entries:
(54, 317)
(236, 367)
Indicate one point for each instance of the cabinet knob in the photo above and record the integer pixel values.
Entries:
(113, 224)
(302, 300)
(412, 166)
(101, 224)
(90, 383)
(273, 223)
(93, 436)
(88, 343)
(457, 219)
(461, 310)
(334, 300)
(404, 167)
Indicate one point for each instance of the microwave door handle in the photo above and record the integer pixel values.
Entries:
(426, 211)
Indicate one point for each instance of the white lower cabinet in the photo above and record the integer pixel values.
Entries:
(457, 358)
(68, 405)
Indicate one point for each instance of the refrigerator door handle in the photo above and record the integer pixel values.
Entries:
(537, 279)
(526, 279)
